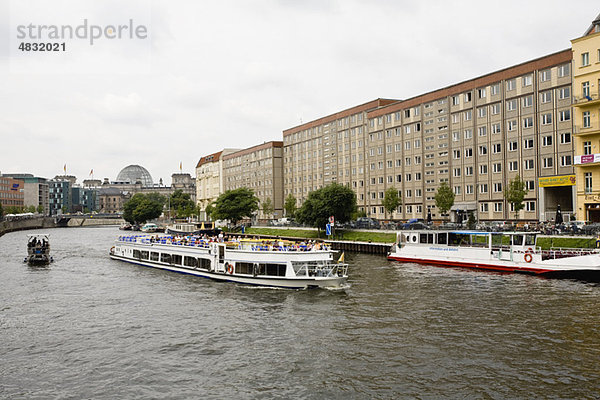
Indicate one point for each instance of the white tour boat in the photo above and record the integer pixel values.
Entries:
(274, 263)
(506, 251)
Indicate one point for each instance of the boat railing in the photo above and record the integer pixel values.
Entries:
(313, 269)
(564, 252)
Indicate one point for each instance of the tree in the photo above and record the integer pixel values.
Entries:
(209, 210)
(40, 209)
(391, 200)
(181, 203)
(1, 211)
(235, 204)
(334, 200)
(141, 208)
(515, 193)
(444, 198)
(267, 207)
(290, 206)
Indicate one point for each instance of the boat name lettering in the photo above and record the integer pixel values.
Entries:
(443, 248)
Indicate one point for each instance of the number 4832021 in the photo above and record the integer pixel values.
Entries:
(42, 46)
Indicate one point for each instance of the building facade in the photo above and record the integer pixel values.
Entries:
(209, 179)
(476, 136)
(586, 110)
(259, 168)
(60, 195)
(12, 192)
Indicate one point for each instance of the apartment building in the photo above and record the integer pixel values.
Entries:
(259, 168)
(476, 136)
(209, 179)
(586, 109)
(11, 192)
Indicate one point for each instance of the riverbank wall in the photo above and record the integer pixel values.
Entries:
(51, 222)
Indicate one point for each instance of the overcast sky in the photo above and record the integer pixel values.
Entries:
(233, 74)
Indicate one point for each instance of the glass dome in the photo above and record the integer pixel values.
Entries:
(135, 173)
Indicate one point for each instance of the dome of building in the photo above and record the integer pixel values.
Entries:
(134, 174)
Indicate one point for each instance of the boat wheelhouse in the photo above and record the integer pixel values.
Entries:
(498, 251)
(275, 263)
(38, 249)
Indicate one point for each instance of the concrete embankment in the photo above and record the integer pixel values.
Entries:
(50, 222)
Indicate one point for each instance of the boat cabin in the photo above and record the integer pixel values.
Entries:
(491, 240)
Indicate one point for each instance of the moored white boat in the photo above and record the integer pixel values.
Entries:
(505, 251)
(256, 262)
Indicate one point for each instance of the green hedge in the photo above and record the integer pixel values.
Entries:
(340, 234)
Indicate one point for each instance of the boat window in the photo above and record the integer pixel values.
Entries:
(166, 258)
(529, 240)
(190, 262)
(272, 269)
(244, 268)
(136, 254)
(153, 256)
(176, 259)
(204, 263)
(442, 238)
(144, 255)
(517, 240)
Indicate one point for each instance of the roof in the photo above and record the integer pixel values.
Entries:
(265, 145)
(214, 157)
(590, 29)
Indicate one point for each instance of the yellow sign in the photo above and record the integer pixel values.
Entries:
(549, 181)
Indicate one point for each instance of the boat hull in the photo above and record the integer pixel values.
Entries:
(288, 283)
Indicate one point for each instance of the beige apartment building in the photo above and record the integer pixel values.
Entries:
(476, 135)
(259, 168)
(209, 179)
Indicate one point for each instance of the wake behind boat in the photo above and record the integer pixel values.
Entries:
(275, 263)
(505, 251)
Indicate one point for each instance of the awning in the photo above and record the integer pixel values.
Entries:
(464, 207)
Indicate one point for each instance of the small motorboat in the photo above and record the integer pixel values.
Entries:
(38, 249)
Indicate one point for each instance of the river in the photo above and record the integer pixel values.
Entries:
(91, 327)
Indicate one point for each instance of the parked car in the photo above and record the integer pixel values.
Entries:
(367, 223)
(412, 221)
(415, 226)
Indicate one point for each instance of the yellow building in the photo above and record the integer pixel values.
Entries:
(586, 109)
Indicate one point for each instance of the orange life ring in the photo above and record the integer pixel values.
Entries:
(528, 257)
(229, 269)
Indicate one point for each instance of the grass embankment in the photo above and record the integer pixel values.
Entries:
(356, 236)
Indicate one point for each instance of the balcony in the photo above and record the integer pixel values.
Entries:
(585, 101)
(591, 130)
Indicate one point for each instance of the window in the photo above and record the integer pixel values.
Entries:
(455, 136)
(546, 119)
(513, 146)
(587, 148)
(585, 89)
(564, 115)
(564, 93)
(457, 190)
(528, 143)
(528, 164)
(546, 97)
(497, 187)
(483, 169)
(530, 185)
(483, 188)
(585, 59)
(528, 122)
(511, 105)
(408, 193)
(468, 133)
(456, 154)
(482, 112)
(512, 125)
(513, 166)
(565, 161)
(511, 84)
(456, 173)
(468, 171)
(527, 101)
(483, 207)
(587, 122)
(564, 70)
(469, 189)
(527, 80)
(545, 75)
(497, 167)
(481, 93)
(496, 128)
(495, 89)
(495, 109)
(455, 100)
(468, 115)
(496, 148)
(482, 150)
(547, 141)
(565, 138)
(548, 162)
(530, 205)
(469, 152)
(467, 97)
(497, 207)
(482, 131)
(588, 182)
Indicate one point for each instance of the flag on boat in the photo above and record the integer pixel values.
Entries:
(65, 168)
(180, 166)
(341, 259)
(92, 172)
